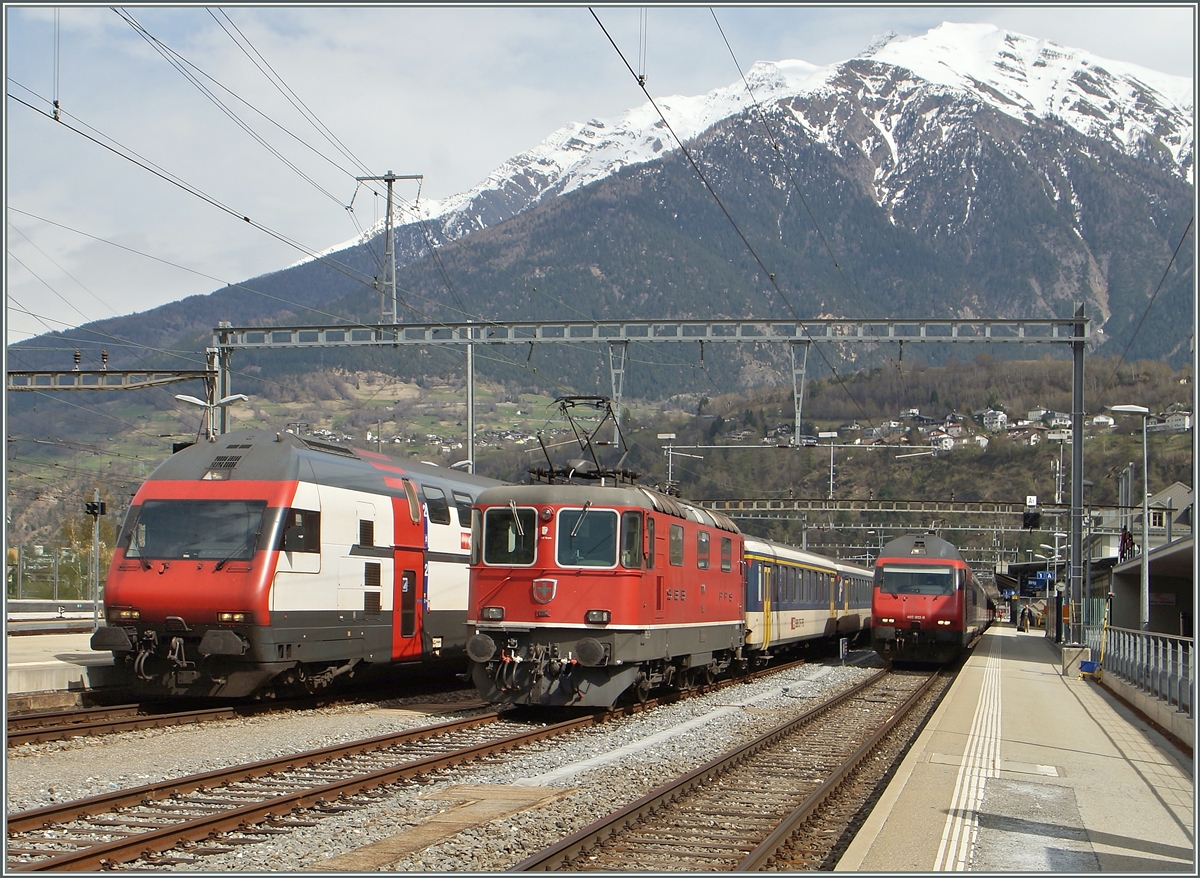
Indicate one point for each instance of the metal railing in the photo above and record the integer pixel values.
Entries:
(1161, 665)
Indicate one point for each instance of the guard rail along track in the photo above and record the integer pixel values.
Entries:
(736, 811)
(264, 798)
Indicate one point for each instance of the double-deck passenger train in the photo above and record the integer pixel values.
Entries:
(927, 605)
(267, 561)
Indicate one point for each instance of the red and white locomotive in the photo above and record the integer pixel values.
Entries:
(272, 560)
(927, 605)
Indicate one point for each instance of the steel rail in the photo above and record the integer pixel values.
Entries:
(761, 855)
(558, 854)
(167, 837)
(38, 735)
(39, 817)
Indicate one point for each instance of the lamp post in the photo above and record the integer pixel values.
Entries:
(210, 408)
(1144, 600)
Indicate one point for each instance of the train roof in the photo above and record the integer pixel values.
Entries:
(920, 546)
(606, 495)
(267, 455)
(761, 546)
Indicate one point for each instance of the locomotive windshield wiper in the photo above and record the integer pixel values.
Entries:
(586, 505)
(512, 504)
(246, 543)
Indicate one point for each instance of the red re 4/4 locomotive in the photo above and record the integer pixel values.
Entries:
(580, 593)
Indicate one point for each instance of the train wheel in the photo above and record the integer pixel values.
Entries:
(641, 690)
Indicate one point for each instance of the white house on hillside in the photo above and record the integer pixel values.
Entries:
(994, 420)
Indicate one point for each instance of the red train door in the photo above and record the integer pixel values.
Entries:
(409, 575)
(406, 604)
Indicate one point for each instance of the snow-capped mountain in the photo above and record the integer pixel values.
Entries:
(1139, 111)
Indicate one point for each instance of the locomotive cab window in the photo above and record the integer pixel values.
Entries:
(587, 537)
(301, 531)
(631, 540)
(509, 536)
(915, 580)
(205, 530)
(726, 554)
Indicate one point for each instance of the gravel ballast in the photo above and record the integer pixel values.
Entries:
(647, 750)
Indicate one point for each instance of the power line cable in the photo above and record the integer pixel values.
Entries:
(770, 275)
(169, 55)
(275, 79)
(1146, 311)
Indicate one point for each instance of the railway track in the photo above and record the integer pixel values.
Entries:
(262, 799)
(37, 728)
(736, 812)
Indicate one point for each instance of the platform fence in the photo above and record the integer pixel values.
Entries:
(1161, 665)
(51, 573)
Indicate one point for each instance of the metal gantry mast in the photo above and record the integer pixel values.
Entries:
(388, 307)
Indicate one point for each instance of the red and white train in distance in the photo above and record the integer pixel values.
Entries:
(927, 605)
(268, 562)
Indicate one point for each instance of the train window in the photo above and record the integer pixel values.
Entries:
(509, 536)
(702, 540)
(726, 554)
(915, 580)
(650, 539)
(435, 499)
(197, 529)
(463, 504)
(301, 531)
(476, 535)
(414, 505)
(587, 537)
(631, 540)
(408, 603)
(675, 546)
(366, 533)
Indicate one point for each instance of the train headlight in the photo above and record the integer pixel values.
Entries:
(492, 614)
(229, 618)
(547, 514)
(123, 614)
(888, 621)
(597, 617)
(944, 621)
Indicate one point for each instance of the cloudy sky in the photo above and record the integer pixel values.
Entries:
(445, 92)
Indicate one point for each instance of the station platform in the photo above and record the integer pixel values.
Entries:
(1023, 769)
(54, 663)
